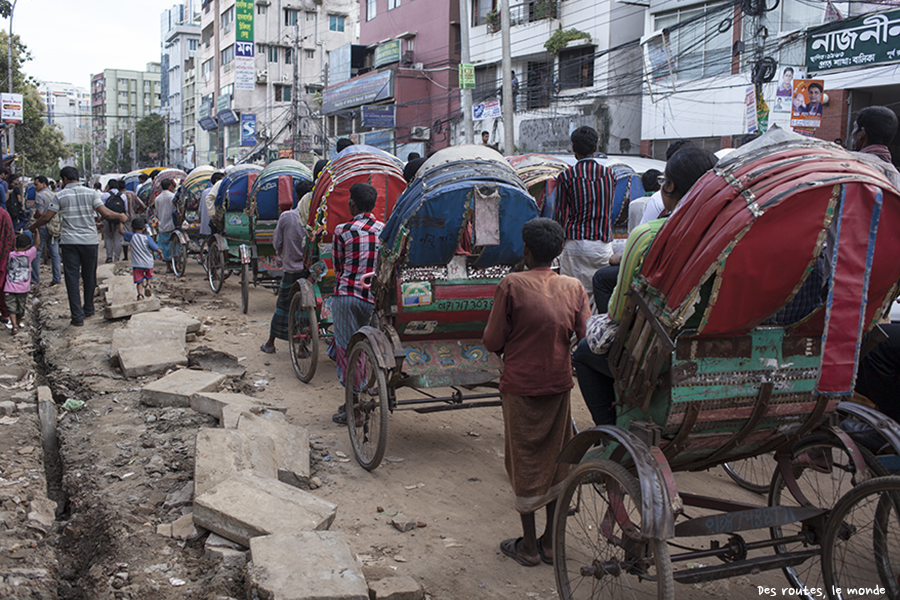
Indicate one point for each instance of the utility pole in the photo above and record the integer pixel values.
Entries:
(134, 151)
(295, 93)
(11, 130)
(506, 66)
(465, 59)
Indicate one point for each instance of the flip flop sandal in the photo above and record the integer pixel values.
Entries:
(139, 297)
(508, 548)
(15, 331)
(267, 350)
(546, 559)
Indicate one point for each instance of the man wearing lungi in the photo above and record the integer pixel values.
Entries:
(533, 318)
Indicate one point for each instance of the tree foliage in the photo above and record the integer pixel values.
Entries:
(151, 139)
(117, 158)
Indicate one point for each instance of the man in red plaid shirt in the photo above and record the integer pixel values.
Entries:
(353, 252)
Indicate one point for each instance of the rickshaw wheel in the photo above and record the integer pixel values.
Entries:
(303, 335)
(860, 550)
(245, 288)
(824, 473)
(179, 257)
(753, 474)
(203, 255)
(597, 548)
(366, 405)
(215, 268)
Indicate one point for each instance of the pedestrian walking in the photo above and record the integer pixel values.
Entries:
(18, 279)
(163, 207)
(7, 245)
(78, 242)
(112, 228)
(49, 233)
(142, 250)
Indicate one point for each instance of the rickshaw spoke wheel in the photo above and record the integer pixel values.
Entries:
(861, 546)
(179, 257)
(753, 474)
(215, 261)
(366, 405)
(303, 335)
(597, 548)
(824, 473)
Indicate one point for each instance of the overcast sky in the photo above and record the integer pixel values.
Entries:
(69, 41)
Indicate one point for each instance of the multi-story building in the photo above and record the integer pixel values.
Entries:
(69, 108)
(253, 81)
(397, 90)
(180, 41)
(119, 99)
(575, 63)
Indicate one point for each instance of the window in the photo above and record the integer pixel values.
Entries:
(539, 84)
(192, 44)
(205, 69)
(227, 55)
(370, 10)
(576, 68)
(310, 16)
(392, 4)
(290, 17)
(698, 49)
(227, 90)
(310, 55)
(123, 95)
(288, 56)
(283, 93)
(227, 19)
(260, 9)
(411, 44)
(335, 23)
(272, 53)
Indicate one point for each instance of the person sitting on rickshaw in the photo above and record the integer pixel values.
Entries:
(595, 379)
(534, 315)
(353, 252)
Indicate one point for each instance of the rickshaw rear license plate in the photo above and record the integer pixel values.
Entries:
(743, 520)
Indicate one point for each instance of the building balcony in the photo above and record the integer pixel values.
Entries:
(531, 24)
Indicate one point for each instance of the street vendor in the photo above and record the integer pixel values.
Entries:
(534, 315)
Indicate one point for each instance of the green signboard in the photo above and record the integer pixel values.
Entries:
(466, 76)
(870, 39)
(243, 17)
(386, 53)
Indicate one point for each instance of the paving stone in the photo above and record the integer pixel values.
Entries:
(26, 396)
(246, 506)
(169, 315)
(291, 444)
(44, 393)
(222, 453)
(143, 336)
(217, 541)
(183, 528)
(147, 360)
(7, 407)
(213, 403)
(177, 388)
(105, 271)
(396, 588)
(233, 559)
(118, 311)
(27, 407)
(307, 565)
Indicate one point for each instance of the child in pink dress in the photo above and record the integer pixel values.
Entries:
(18, 279)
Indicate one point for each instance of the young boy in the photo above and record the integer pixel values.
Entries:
(18, 279)
(142, 249)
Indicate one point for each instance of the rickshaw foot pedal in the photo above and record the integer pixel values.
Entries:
(745, 567)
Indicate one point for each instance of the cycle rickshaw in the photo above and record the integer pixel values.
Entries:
(538, 172)
(455, 232)
(309, 315)
(703, 377)
(187, 239)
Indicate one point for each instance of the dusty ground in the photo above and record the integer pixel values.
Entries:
(121, 460)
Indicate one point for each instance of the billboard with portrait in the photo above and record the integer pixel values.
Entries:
(806, 103)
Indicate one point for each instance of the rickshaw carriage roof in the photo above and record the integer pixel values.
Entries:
(177, 175)
(355, 164)
(274, 187)
(235, 186)
(757, 222)
(444, 198)
(196, 181)
(536, 168)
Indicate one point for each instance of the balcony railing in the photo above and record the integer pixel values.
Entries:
(521, 14)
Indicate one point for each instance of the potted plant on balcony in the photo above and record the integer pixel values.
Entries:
(561, 37)
(493, 21)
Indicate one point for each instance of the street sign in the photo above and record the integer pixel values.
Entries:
(466, 76)
(387, 53)
(248, 130)
(243, 18)
(867, 40)
(12, 111)
(378, 116)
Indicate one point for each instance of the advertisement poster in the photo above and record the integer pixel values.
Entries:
(248, 130)
(244, 46)
(784, 89)
(750, 109)
(806, 104)
(12, 111)
(486, 110)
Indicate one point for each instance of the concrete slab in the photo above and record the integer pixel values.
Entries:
(308, 565)
(149, 335)
(396, 588)
(222, 453)
(147, 360)
(213, 403)
(169, 315)
(119, 311)
(291, 445)
(105, 271)
(247, 506)
(177, 388)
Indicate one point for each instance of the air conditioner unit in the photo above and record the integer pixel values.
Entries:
(262, 76)
(407, 58)
(420, 133)
(418, 66)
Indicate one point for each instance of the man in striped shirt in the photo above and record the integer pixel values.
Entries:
(583, 208)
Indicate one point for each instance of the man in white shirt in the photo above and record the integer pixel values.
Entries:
(163, 206)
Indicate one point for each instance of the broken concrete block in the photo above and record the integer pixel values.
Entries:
(246, 506)
(183, 528)
(232, 554)
(403, 523)
(44, 393)
(164, 529)
(213, 403)
(291, 445)
(105, 271)
(304, 566)
(180, 497)
(19, 397)
(26, 407)
(396, 588)
(42, 511)
(222, 453)
(149, 335)
(126, 309)
(217, 541)
(147, 360)
(177, 388)
(7, 407)
(168, 315)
